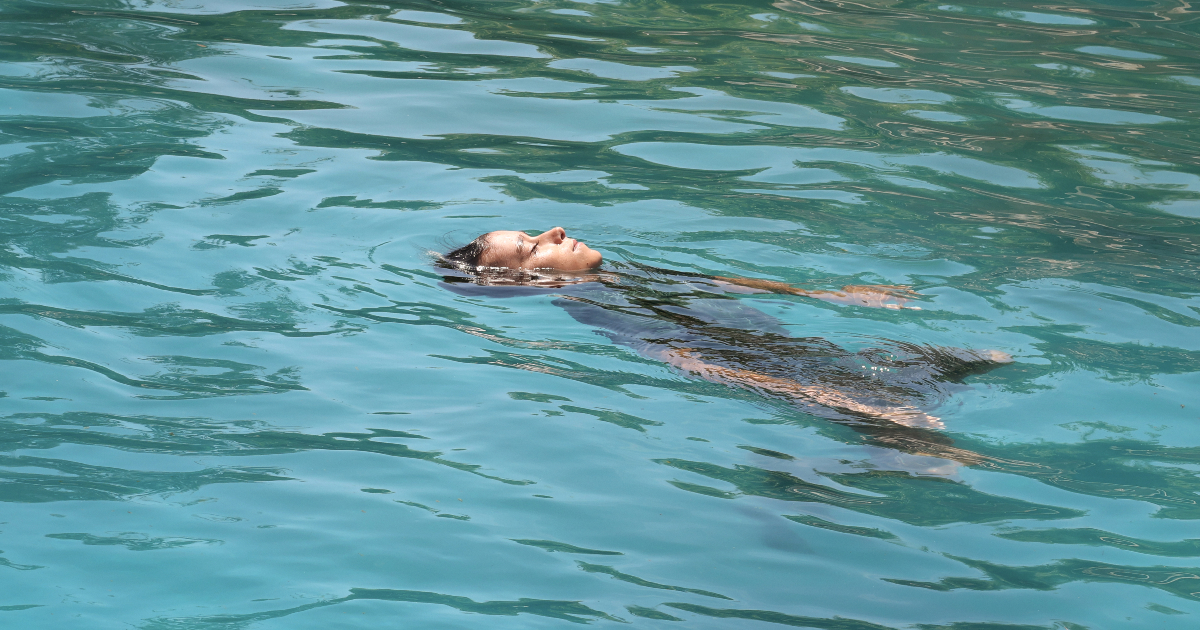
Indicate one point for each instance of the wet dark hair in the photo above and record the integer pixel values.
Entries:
(468, 256)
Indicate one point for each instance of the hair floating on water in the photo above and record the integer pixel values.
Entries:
(469, 255)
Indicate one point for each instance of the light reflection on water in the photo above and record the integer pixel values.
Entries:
(237, 394)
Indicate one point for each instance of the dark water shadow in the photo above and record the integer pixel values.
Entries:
(569, 611)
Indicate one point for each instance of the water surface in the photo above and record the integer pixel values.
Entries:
(237, 395)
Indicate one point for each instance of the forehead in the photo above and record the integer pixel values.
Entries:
(505, 237)
(505, 241)
(503, 247)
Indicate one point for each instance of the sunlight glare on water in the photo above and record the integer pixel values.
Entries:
(238, 394)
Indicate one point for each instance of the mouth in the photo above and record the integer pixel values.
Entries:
(575, 246)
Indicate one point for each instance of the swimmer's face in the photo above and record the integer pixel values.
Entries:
(552, 249)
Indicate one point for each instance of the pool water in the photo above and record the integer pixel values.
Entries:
(237, 394)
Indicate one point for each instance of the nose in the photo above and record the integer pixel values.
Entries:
(556, 235)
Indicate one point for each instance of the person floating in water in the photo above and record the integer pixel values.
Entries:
(695, 323)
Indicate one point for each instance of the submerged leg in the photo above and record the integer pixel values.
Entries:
(825, 395)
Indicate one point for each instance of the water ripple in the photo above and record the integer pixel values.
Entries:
(216, 288)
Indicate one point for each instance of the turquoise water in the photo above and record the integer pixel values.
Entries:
(237, 394)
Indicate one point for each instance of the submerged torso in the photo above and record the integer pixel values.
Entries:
(655, 312)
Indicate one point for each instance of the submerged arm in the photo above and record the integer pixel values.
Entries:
(869, 295)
